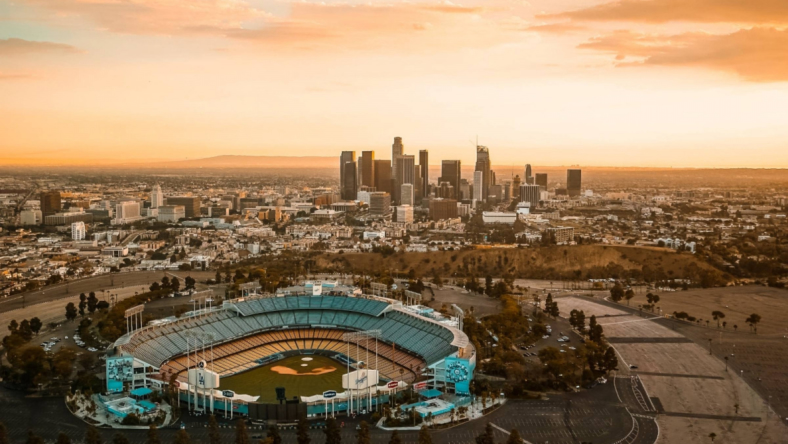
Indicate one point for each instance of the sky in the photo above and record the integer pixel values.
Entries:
(653, 83)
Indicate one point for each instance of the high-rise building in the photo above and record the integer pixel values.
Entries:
(405, 173)
(483, 165)
(50, 203)
(383, 175)
(379, 203)
(127, 212)
(346, 157)
(397, 149)
(450, 172)
(530, 194)
(541, 180)
(424, 170)
(407, 194)
(191, 204)
(156, 197)
(405, 214)
(516, 187)
(78, 231)
(446, 191)
(171, 213)
(367, 168)
(478, 187)
(349, 181)
(465, 190)
(529, 178)
(443, 209)
(573, 182)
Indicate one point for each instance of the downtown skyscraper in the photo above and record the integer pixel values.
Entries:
(483, 165)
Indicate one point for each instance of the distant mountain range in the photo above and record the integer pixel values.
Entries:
(229, 161)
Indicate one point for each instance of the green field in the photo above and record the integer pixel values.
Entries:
(263, 380)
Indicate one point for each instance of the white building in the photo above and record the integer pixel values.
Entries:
(156, 197)
(363, 196)
(78, 231)
(126, 212)
(31, 217)
(405, 213)
(171, 213)
(495, 217)
(374, 235)
(406, 194)
(478, 181)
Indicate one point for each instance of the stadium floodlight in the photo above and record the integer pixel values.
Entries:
(134, 318)
(413, 297)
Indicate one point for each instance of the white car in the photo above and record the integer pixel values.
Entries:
(572, 348)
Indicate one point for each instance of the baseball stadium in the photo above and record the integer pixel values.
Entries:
(325, 348)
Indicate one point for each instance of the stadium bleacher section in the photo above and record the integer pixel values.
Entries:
(249, 330)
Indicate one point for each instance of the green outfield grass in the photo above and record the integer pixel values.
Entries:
(262, 380)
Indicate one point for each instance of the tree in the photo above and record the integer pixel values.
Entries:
(514, 437)
(71, 311)
(190, 282)
(35, 325)
(753, 321)
(241, 436)
(62, 438)
(302, 432)
(218, 277)
(362, 437)
(175, 284)
(617, 292)
(181, 437)
(424, 435)
(628, 295)
(92, 436)
(395, 438)
(610, 360)
(83, 303)
(155, 286)
(153, 435)
(120, 438)
(92, 302)
(273, 433)
(488, 437)
(32, 438)
(333, 434)
(712, 435)
(718, 315)
(213, 431)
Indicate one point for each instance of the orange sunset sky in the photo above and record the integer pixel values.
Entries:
(550, 82)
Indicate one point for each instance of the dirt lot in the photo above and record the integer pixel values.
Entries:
(736, 302)
(712, 390)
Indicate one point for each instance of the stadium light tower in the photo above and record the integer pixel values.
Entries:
(199, 339)
(356, 337)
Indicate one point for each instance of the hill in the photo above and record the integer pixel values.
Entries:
(561, 263)
(230, 161)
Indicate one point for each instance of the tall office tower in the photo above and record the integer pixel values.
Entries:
(379, 203)
(531, 194)
(405, 173)
(478, 188)
(345, 157)
(407, 194)
(405, 214)
(383, 175)
(573, 182)
(516, 187)
(128, 211)
(541, 180)
(191, 204)
(450, 172)
(424, 169)
(397, 149)
(446, 191)
(529, 178)
(50, 203)
(464, 193)
(367, 168)
(156, 197)
(349, 184)
(483, 165)
(78, 231)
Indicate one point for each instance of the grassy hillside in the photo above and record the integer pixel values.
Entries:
(574, 262)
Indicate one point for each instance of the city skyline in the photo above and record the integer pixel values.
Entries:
(654, 83)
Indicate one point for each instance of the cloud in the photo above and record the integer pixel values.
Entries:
(14, 46)
(758, 54)
(706, 11)
(555, 28)
(167, 17)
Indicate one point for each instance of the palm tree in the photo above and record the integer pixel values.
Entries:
(712, 435)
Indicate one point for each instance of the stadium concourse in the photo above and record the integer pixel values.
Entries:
(380, 341)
